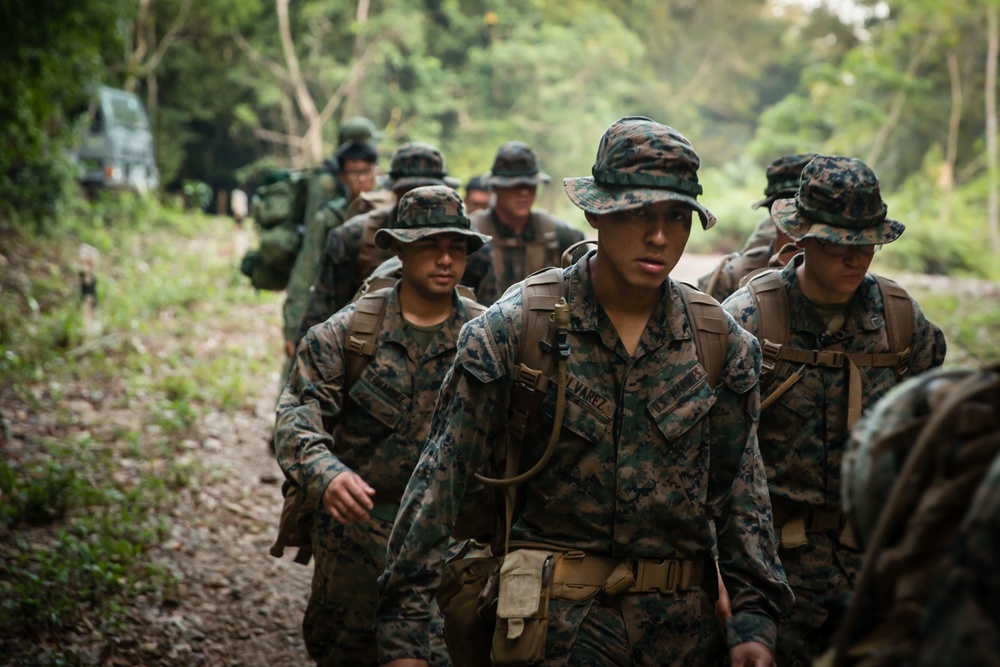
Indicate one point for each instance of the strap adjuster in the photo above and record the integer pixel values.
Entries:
(657, 575)
(829, 358)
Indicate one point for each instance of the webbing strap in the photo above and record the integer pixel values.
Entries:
(768, 291)
(710, 329)
(366, 322)
(539, 253)
(898, 313)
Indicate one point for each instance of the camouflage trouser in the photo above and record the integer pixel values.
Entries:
(821, 574)
(633, 630)
(341, 612)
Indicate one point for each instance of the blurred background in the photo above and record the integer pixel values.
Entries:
(236, 88)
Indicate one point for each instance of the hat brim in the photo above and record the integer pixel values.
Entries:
(411, 182)
(473, 240)
(770, 199)
(786, 216)
(603, 199)
(510, 181)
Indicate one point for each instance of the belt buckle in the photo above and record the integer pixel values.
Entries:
(656, 575)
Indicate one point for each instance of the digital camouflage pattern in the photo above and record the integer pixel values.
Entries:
(513, 256)
(783, 176)
(515, 164)
(838, 201)
(358, 129)
(763, 234)
(415, 164)
(649, 456)
(375, 429)
(931, 571)
(640, 162)
(428, 211)
(802, 437)
(306, 269)
(726, 277)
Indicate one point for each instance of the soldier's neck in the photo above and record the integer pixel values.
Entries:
(516, 223)
(422, 309)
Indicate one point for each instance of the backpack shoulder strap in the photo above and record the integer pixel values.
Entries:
(708, 324)
(362, 332)
(773, 322)
(369, 254)
(539, 294)
(898, 314)
(468, 297)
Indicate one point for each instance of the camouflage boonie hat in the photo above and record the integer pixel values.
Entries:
(838, 201)
(515, 164)
(640, 162)
(359, 130)
(428, 211)
(783, 177)
(416, 164)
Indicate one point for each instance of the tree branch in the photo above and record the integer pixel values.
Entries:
(172, 34)
(275, 68)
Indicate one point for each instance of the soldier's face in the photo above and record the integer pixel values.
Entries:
(476, 200)
(641, 247)
(831, 277)
(357, 176)
(432, 266)
(516, 201)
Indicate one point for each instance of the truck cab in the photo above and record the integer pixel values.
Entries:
(117, 150)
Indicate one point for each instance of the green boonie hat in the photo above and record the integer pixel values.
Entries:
(359, 130)
(515, 164)
(428, 211)
(640, 162)
(415, 164)
(783, 177)
(838, 201)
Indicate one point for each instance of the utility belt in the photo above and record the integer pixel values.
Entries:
(793, 523)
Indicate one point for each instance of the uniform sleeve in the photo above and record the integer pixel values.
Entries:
(309, 408)
(740, 306)
(740, 504)
(463, 430)
(331, 291)
(929, 346)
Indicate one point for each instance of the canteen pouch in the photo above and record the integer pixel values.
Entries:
(523, 608)
(467, 598)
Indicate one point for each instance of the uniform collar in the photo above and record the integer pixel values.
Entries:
(863, 312)
(393, 326)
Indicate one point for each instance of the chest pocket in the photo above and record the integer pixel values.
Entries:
(588, 414)
(682, 404)
(374, 396)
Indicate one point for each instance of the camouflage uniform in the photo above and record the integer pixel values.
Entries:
(350, 252)
(802, 434)
(759, 250)
(375, 428)
(642, 468)
(921, 479)
(516, 255)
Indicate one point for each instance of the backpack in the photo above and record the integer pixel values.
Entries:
(541, 252)
(277, 210)
(359, 350)
(771, 299)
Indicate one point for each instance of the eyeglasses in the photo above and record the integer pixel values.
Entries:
(842, 249)
(358, 173)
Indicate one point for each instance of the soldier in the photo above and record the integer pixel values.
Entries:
(477, 195)
(922, 494)
(350, 436)
(524, 240)
(350, 252)
(767, 247)
(835, 339)
(356, 175)
(656, 444)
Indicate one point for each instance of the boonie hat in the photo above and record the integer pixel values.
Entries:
(838, 201)
(783, 177)
(515, 164)
(415, 164)
(640, 162)
(428, 211)
(358, 129)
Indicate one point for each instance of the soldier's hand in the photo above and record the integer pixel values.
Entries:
(289, 348)
(751, 654)
(723, 611)
(348, 498)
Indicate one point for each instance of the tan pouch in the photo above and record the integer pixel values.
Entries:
(523, 608)
(793, 533)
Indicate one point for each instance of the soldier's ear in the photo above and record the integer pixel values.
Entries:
(591, 219)
(397, 249)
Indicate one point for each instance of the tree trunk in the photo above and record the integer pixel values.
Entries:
(946, 180)
(352, 99)
(992, 51)
(312, 141)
